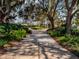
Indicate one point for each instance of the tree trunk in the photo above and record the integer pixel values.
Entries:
(1, 19)
(68, 22)
(69, 14)
(52, 11)
(52, 23)
(51, 20)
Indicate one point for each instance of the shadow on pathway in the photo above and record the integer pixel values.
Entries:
(38, 45)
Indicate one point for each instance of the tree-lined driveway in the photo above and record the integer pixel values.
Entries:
(38, 45)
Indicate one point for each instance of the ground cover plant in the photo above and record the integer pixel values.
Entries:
(69, 41)
(10, 32)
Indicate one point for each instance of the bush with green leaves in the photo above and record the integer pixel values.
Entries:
(10, 32)
(57, 32)
(18, 34)
(53, 33)
(75, 32)
(3, 42)
(70, 41)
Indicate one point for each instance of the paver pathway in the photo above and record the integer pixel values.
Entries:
(38, 45)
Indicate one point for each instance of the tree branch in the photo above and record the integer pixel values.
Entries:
(55, 8)
(73, 4)
(66, 4)
(74, 13)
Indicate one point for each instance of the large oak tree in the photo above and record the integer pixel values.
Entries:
(72, 9)
(52, 11)
(5, 8)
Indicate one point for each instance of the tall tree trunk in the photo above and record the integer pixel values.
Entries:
(51, 20)
(69, 14)
(52, 23)
(52, 11)
(68, 22)
(1, 18)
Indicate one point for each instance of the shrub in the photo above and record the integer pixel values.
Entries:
(75, 32)
(61, 30)
(54, 33)
(2, 31)
(26, 29)
(69, 40)
(3, 42)
(63, 39)
(11, 32)
(19, 34)
(57, 32)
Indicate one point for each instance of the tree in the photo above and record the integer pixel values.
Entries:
(70, 13)
(52, 11)
(5, 8)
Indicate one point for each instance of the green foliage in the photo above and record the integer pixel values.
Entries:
(68, 40)
(26, 28)
(3, 42)
(37, 27)
(75, 32)
(57, 32)
(54, 34)
(2, 30)
(18, 34)
(10, 32)
(63, 39)
(71, 42)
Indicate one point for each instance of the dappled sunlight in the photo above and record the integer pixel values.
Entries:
(39, 29)
(39, 45)
(23, 48)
